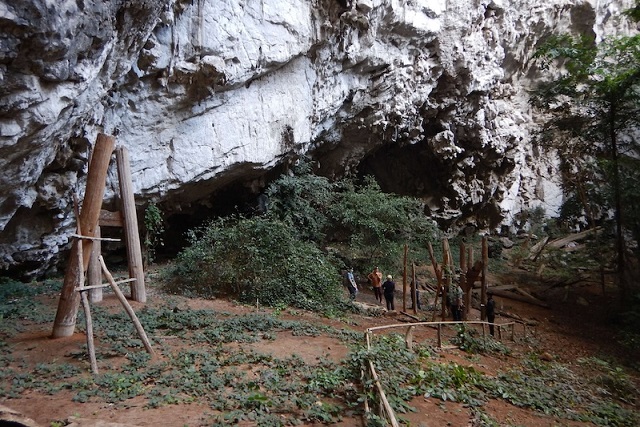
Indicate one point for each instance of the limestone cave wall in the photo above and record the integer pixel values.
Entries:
(213, 98)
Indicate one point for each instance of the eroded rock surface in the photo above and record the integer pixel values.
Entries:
(427, 95)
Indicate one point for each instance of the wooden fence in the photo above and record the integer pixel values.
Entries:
(385, 410)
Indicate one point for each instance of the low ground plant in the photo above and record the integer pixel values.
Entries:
(208, 357)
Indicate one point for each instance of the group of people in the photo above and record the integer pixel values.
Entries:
(387, 289)
(381, 288)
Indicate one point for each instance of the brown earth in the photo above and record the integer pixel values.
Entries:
(573, 327)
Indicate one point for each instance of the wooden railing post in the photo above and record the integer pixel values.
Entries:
(408, 339)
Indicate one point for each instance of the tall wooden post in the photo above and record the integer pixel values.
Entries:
(446, 265)
(463, 279)
(438, 272)
(404, 279)
(94, 270)
(65, 321)
(130, 220)
(414, 288)
(483, 292)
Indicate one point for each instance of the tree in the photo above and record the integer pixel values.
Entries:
(594, 108)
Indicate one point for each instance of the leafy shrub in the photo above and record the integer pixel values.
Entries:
(301, 201)
(153, 229)
(258, 260)
(375, 226)
(281, 258)
(629, 335)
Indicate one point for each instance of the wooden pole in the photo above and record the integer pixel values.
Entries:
(446, 264)
(408, 338)
(127, 307)
(414, 288)
(94, 271)
(84, 298)
(383, 397)
(463, 280)
(483, 292)
(130, 219)
(438, 272)
(404, 279)
(65, 321)
(89, 325)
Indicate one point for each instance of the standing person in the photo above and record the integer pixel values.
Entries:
(375, 278)
(351, 284)
(389, 287)
(455, 301)
(415, 295)
(491, 311)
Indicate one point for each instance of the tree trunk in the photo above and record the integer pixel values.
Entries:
(620, 243)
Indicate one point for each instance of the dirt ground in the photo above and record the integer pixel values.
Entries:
(576, 325)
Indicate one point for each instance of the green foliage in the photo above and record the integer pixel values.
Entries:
(368, 227)
(19, 301)
(594, 105)
(259, 260)
(595, 99)
(554, 390)
(630, 182)
(242, 385)
(629, 334)
(450, 381)
(154, 227)
(606, 413)
(613, 380)
(377, 225)
(634, 12)
(468, 340)
(301, 201)
(549, 388)
(281, 259)
(238, 384)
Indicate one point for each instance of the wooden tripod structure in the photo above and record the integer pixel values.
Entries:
(470, 272)
(82, 289)
(88, 233)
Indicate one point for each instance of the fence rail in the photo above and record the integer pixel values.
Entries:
(385, 410)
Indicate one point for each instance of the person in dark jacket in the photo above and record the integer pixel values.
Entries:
(456, 305)
(389, 287)
(491, 311)
(415, 295)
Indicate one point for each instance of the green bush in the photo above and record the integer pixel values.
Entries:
(301, 201)
(629, 334)
(258, 260)
(292, 255)
(375, 226)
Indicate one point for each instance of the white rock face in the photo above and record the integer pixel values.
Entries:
(428, 95)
